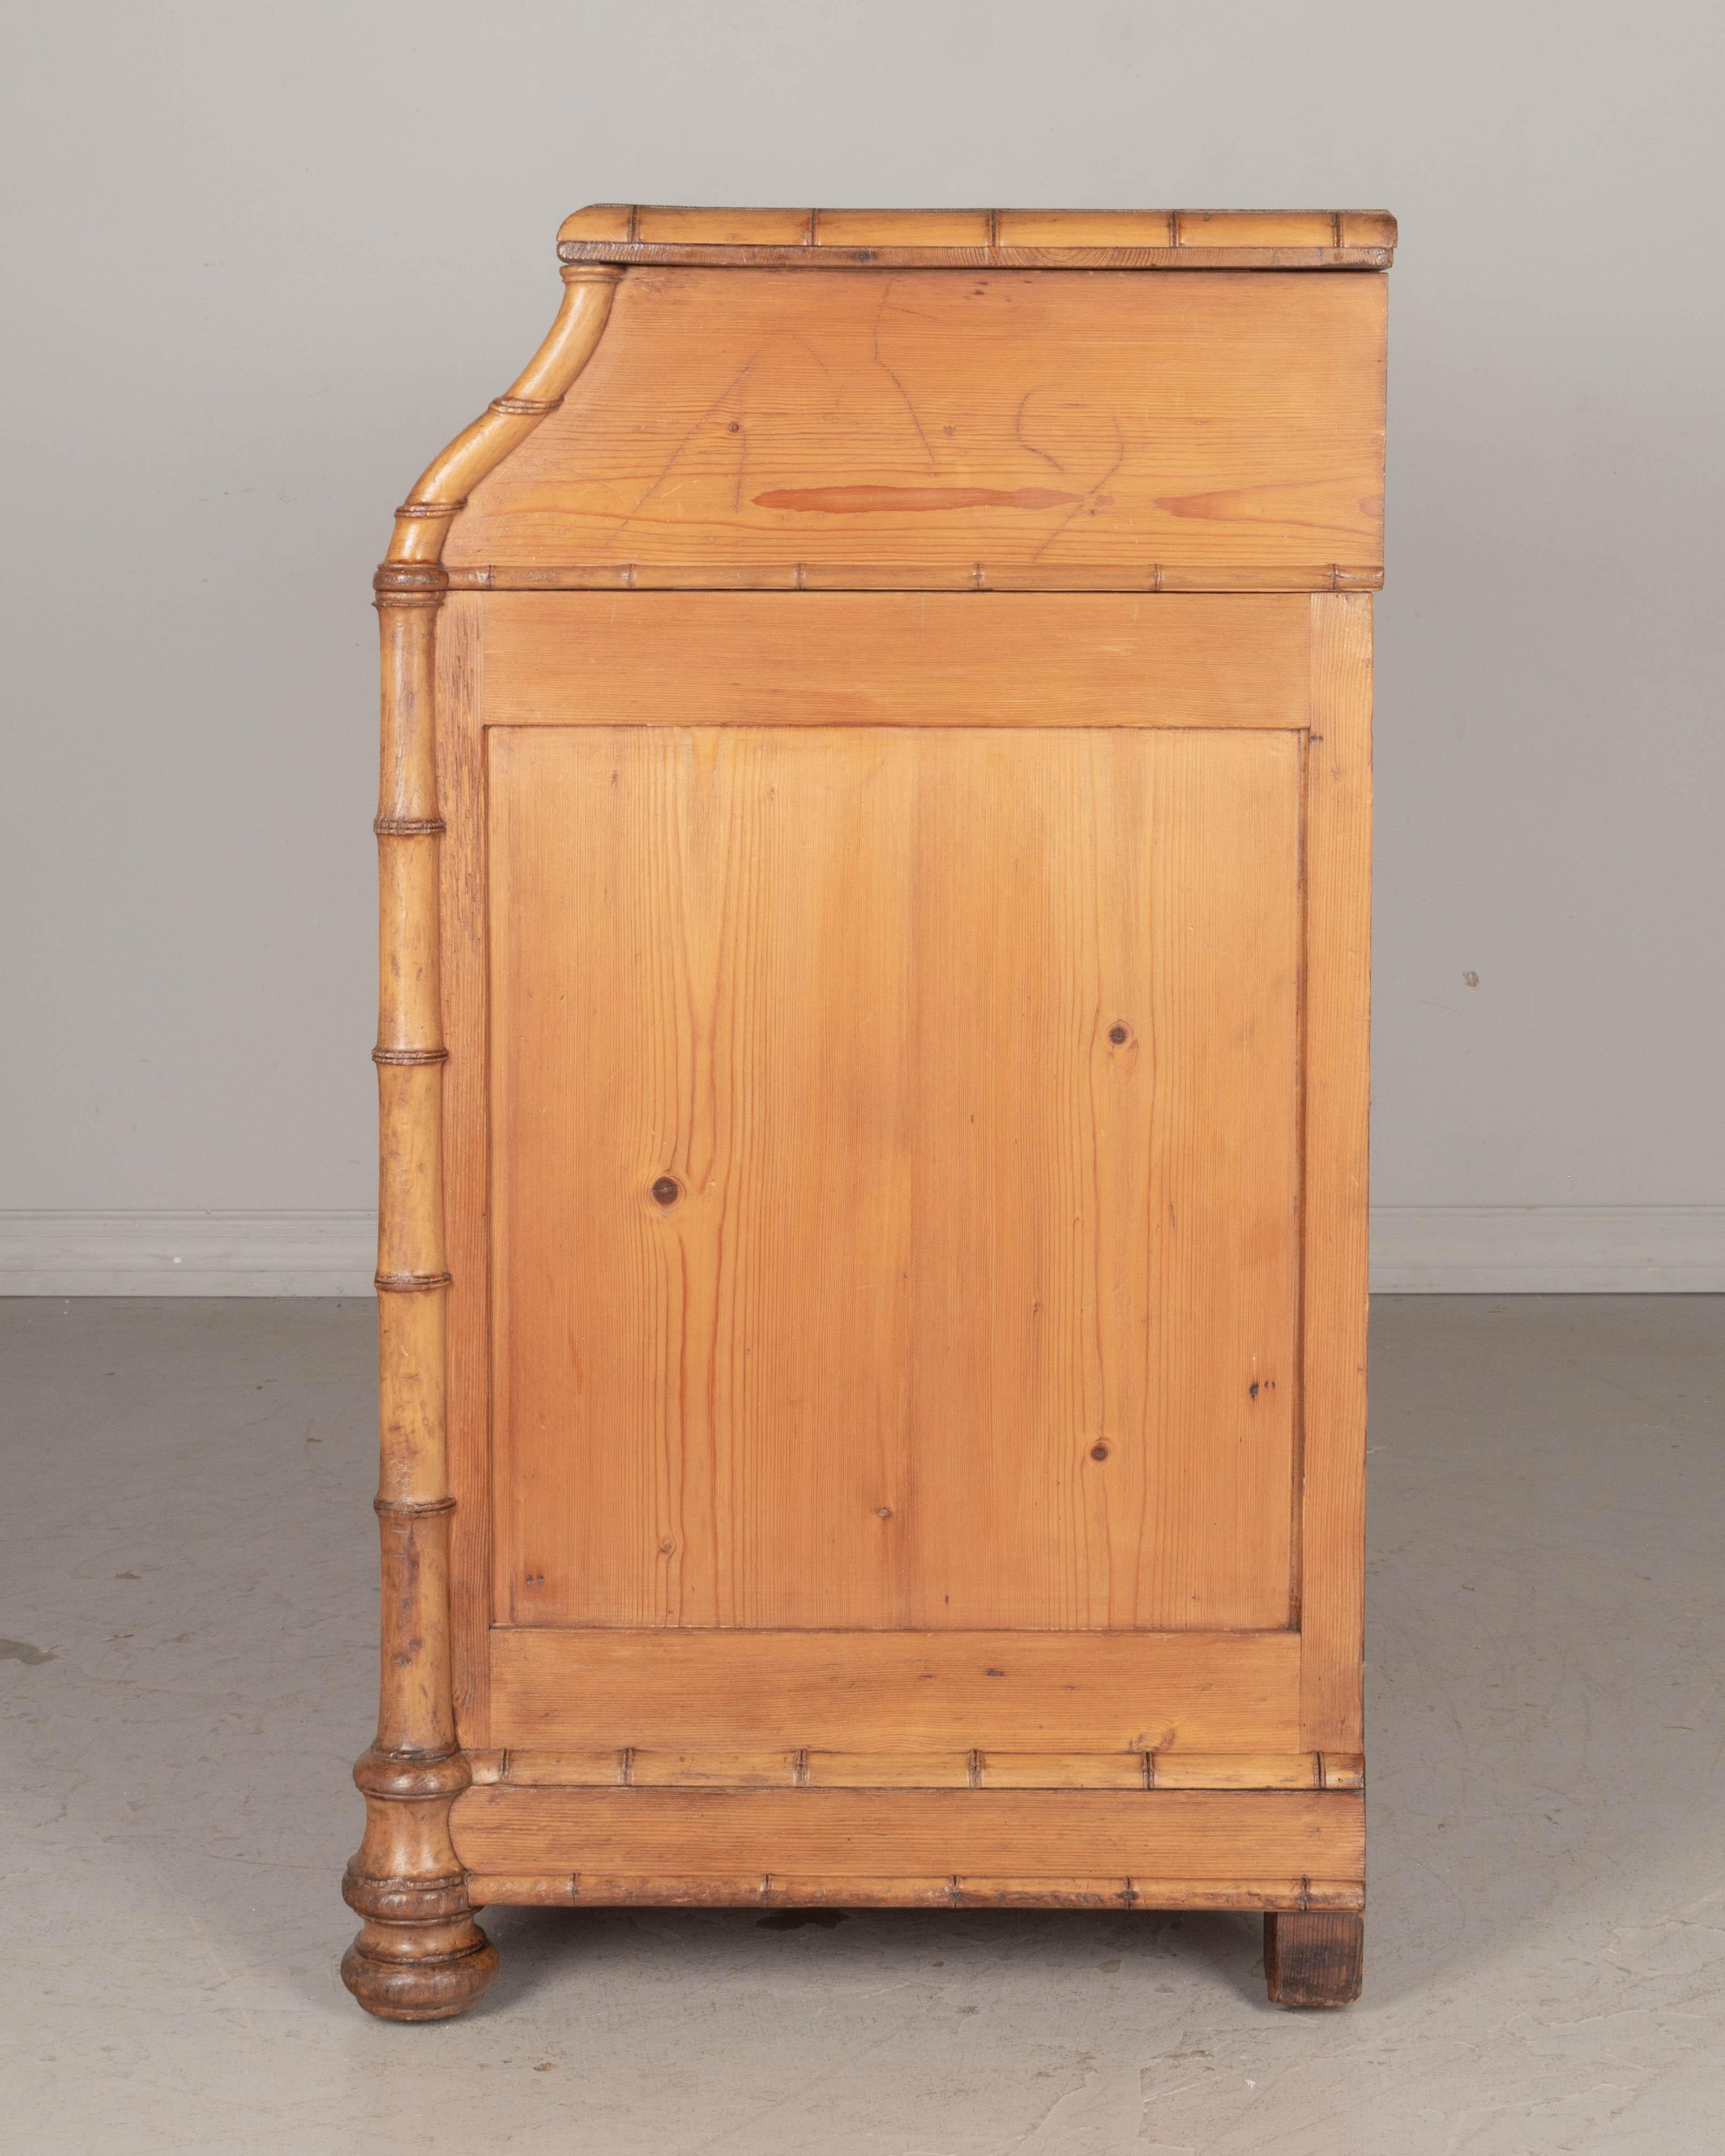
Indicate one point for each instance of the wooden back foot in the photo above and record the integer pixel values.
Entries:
(1314, 1958)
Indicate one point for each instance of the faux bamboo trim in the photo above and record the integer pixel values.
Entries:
(968, 239)
(409, 584)
(411, 1508)
(911, 577)
(420, 1956)
(863, 1891)
(697, 255)
(802, 1767)
(441, 492)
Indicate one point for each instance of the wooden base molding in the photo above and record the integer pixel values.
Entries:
(1227, 1837)
(788, 1891)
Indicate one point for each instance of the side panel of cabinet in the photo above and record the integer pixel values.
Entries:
(963, 1062)
(1326, 1511)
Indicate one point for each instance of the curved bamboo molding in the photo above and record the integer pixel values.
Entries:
(420, 1956)
(422, 523)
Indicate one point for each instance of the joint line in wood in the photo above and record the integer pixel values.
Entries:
(410, 1283)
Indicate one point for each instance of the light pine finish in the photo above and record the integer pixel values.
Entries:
(422, 523)
(922, 983)
(420, 1956)
(1035, 429)
(958, 239)
(873, 1289)
(895, 658)
(1337, 1105)
(637, 1767)
(971, 1837)
(874, 1690)
(460, 760)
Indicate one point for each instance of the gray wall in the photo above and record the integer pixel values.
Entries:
(265, 260)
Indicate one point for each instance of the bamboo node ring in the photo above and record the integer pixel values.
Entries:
(410, 583)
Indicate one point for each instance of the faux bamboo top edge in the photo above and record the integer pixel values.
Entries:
(623, 233)
(689, 255)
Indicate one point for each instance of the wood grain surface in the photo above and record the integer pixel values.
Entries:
(1224, 1835)
(1338, 1116)
(895, 1176)
(1046, 423)
(562, 1689)
(878, 1417)
(852, 658)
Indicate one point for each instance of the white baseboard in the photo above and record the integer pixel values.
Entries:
(1416, 1249)
(203, 1253)
(1548, 1250)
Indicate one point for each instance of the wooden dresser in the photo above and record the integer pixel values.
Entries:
(874, 859)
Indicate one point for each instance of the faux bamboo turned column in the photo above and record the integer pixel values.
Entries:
(419, 1955)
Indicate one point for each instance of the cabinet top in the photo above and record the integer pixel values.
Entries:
(978, 238)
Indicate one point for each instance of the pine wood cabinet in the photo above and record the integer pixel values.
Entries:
(873, 1060)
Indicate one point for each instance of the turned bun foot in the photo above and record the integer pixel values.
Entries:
(422, 1973)
(419, 1955)
(1314, 1958)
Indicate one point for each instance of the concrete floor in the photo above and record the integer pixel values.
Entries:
(187, 1569)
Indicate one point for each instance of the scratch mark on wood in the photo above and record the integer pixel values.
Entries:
(928, 446)
(712, 410)
(859, 501)
(1090, 494)
(1018, 428)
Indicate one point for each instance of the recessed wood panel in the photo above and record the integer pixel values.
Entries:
(1043, 422)
(894, 1176)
